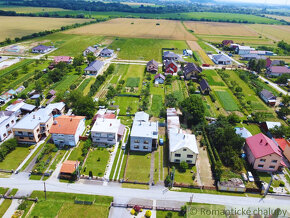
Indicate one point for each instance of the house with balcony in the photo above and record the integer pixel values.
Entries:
(7, 121)
(263, 154)
(66, 130)
(144, 134)
(107, 132)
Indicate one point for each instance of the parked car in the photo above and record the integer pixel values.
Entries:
(266, 82)
(88, 133)
(244, 177)
(250, 177)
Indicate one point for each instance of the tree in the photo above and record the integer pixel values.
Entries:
(78, 61)
(193, 109)
(280, 131)
(286, 100)
(183, 166)
(170, 100)
(233, 119)
(148, 214)
(283, 79)
(91, 57)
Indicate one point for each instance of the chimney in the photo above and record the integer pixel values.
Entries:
(71, 119)
(266, 144)
(34, 116)
(261, 141)
(110, 124)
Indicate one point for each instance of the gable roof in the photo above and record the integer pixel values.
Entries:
(152, 62)
(221, 57)
(58, 59)
(168, 62)
(66, 125)
(91, 49)
(159, 75)
(40, 47)
(107, 51)
(271, 125)
(267, 94)
(204, 85)
(279, 69)
(95, 66)
(4, 115)
(170, 54)
(260, 146)
(226, 42)
(141, 116)
(282, 143)
(69, 166)
(179, 140)
(190, 67)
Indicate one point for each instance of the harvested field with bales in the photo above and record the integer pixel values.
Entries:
(12, 27)
(137, 28)
(274, 32)
(217, 28)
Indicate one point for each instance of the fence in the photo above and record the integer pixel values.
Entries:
(83, 202)
(134, 182)
(19, 198)
(6, 171)
(147, 207)
(182, 185)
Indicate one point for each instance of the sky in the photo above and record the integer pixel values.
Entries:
(282, 2)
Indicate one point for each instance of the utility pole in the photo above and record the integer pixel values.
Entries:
(44, 190)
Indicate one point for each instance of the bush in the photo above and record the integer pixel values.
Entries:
(282, 184)
(183, 166)
(148, 213)
(132, 212)
(168, 215)
(7, 147)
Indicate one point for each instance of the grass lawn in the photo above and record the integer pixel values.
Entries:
(213, 78)
(84, 84)
(59, 156)
(184, 177)
(62, 205)
(65, 83)
(4, 206)
(14, 159)
(164, 214)
(157, 104)
(3, 190)
(227, 100)
(144, 49)
(254, 129)
(206, 47)
(115, 79)
(87, 88)
(115, 163)
(96, 162)
(138, 186)
(76, 153)
(125, 102)
(138, 167)
(201, 210)
(70, 44)
(133, 82)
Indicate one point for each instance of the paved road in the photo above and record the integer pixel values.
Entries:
(275, 86)
(151, 194)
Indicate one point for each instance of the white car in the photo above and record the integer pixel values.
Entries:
(250, 177)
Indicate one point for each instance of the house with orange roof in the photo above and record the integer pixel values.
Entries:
(66, 130)
(68, 169)
(285, 146)
(263, 153)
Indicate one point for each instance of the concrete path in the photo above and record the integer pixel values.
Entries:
(120, 168)
(54, 175)
(117, 164)
(15, 203)
(111, 162)
(29, 155)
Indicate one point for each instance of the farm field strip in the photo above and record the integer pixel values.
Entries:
(213, 78)
(245, 40)
(22, 9)
(137, 28)
(12, 27)
(226, 100)
(219, 28)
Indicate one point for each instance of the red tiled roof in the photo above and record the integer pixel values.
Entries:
(69, 166)
(279, 69)
(282, 143)
(58, 59)
(261, 146)
(67, 125)
(109, 116)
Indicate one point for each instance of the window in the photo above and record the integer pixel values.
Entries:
(262, 160)
(110, 139)
(189, 156)
(7, 126)
(184, 149)
(188, 161)
(37, 130)
(4, 135)
(177, 155)
(12, 121)
(274, 161)
(260, 166)
(271, 167)
(146, 142)
(145, 147)
(136, 146)
(30, 138)
(21, 137)
(110, 136)
(136, 141)
(177, 160)
(20, 133)
(98, 135)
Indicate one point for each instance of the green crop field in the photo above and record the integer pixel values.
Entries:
(157, 104)
(227, 100)
(64, 84)
(96, 162)
(213, 16)
(133, 82)
(68, 44)
(62, 205)
(20, 9)
(14, 159)
(213, 78)
(144, 49)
